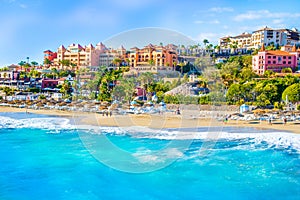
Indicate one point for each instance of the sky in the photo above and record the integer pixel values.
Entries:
(28, 27)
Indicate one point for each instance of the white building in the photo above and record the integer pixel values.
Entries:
(266, 36)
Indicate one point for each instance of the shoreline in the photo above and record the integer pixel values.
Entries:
(157, 121)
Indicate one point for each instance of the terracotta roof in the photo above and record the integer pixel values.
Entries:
(278, 53)
(262, 47)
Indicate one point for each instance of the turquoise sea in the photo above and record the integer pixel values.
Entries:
(44, 157)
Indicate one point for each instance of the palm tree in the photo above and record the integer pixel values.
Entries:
(47, 62)
(117, 61)
(217, 48)
(34, 63)
(26, 66)
(227, 40)
(233, 46)
(22, 63)
(146, 78)
(205, 42)
(73, 65)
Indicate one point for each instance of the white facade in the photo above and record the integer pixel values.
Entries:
(266, 36)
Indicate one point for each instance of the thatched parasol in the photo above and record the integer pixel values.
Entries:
(259, 111)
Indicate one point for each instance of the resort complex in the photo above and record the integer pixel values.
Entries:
(96, 72)
(146, 100)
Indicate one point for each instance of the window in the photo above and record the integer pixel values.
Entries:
(284, 62)
(269, 62)
(274, 57)
(274, 62)
(290, 57)
(269, 56)
(289, 62)
(284, 57)
(279, 59)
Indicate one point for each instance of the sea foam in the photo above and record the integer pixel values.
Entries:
(50, 123)
(274, 139)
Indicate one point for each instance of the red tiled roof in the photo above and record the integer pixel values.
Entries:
(278, 53)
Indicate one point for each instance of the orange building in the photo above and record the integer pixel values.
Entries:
(50, 55)
(153, 55)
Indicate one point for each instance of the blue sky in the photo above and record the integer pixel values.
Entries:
(28, 27)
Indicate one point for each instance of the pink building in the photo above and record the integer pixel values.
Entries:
(275, 60)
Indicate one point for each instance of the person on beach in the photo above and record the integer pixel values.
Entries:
(284, 120)
(178, 111)
(270, 120)
(225, 120)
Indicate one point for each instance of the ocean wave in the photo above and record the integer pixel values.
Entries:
(246, 138)
(49, 123)
(269, 138)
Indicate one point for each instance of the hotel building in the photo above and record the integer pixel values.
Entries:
(275, 60)
(266, 36)
(107, 57)
(152, 55)
(242, 41)
(78, 55)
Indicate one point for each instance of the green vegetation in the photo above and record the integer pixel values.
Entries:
(232, 82)
(292, 93)
(245, 86)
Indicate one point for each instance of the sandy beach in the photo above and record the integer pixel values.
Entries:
(157, 121)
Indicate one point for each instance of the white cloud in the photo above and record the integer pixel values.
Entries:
(211, 37)
(221, 9)
(277, 21)
(23, 6)
(214, 22)
(260, 14)
(198, 22)
(208, 22)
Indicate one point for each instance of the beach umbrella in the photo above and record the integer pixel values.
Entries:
(162, 103)
(259, 111)
(149, 103)
(133, 102)
(126, 106)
